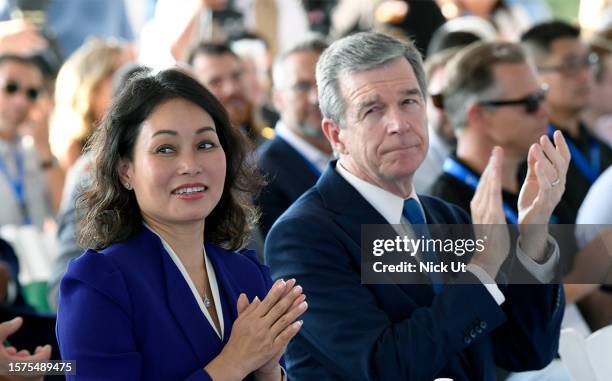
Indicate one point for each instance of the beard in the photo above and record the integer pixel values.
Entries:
(311, 130)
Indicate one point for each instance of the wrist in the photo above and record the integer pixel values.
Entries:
(268, 374)
(533, 241)
(490, 268)
(222, 369)
(536, 249)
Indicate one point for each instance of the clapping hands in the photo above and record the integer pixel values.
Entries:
(261, 333)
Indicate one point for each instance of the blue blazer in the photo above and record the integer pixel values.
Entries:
(355, 331)
(289, 175)
(127, 313)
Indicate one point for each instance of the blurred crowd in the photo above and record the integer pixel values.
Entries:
(62, 63)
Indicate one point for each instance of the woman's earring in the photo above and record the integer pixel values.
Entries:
(127, 186)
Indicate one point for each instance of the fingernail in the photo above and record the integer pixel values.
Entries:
(281, 284)
(297, 290)
(256, 299)
(303, 305)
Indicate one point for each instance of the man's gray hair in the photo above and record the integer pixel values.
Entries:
(360, 52)
(313, 43)
(470, 78)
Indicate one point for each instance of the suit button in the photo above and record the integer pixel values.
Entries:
(473, 334)
(478, 330)
(483, 324)
(467, 340)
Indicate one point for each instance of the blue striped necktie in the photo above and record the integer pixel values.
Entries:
(412, 212)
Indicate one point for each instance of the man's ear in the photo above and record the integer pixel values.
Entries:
(332, 132)
(476, 117)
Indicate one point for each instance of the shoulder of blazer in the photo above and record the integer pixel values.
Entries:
(269, 153)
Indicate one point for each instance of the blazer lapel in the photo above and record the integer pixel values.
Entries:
(352, 211)
(189, 317)
(227, 292)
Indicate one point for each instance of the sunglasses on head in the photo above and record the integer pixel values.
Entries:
(12, 87)
(531, 101)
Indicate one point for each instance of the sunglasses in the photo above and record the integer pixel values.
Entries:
(437, 100)
(573, 65)
(531, 102)
(12, 87)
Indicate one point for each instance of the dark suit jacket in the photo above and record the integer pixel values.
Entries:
(288, 175)
(397, 332)
(127, 313)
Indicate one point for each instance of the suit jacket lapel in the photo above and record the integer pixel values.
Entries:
(353, 211)
(227, 291)
(189, 317)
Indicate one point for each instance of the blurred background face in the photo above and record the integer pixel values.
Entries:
(436, 117)
(296, 99)
(512, 127)
(104, 88)
(601, 94)
(18, 83)
(480, 8)
(569, 75)
(223, 75)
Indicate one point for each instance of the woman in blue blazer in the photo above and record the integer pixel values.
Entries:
(162, 294)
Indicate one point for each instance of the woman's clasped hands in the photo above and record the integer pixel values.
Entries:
(260, 334)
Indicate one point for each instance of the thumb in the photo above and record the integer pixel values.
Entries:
(242, 304)
(7, 328)
(531, 161)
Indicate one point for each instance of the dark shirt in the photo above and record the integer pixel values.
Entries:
(451, 189)
(577, 184)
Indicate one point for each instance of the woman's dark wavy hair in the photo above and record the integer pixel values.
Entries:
(109, 213)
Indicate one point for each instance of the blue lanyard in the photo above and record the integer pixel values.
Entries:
(310, 165)
(463, 174)
(17, 183)
(590, 170)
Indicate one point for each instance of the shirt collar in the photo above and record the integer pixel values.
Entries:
(389, 205)
(310, 152)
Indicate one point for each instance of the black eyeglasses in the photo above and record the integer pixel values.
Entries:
(531, 101)
(573, 65)
(12, 87)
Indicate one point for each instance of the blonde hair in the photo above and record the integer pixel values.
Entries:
(73, 119)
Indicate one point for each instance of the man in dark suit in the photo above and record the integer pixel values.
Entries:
(372, 95)
(293, 161)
